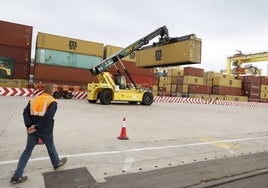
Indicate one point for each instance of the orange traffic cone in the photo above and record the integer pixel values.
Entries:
(40, 141)
(123, 135)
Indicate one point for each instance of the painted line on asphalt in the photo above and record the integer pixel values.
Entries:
(230, 150)
(139, 149)
(127, 164)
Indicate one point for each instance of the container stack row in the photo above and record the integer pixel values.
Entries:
(256, 88)
(64, 60)
(15, 54)
(196, 83)
(61, 60)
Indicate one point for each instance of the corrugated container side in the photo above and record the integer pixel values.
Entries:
(110, 50)
(62, 75)
(179, 53)
(184, 88)
(133, 69)
(225, 90)
(200, 96)
(264, 80)
(21, 55)
(211, 74)
(249, 86)
(252, 94)
(264, 88)
(193, 80)
(235, 98)
(221, 81)
(165, 79)
(174, 79)
(264, 95)
(14, 34)
(200, 89)
(180, 80)
(255, 100)
(143, 80)
(60, 43)
(217, 97)
(192, 71)
(21, 70)
(60, 58)
(252, 79)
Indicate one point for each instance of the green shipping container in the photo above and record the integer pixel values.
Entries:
(60, 58)
(6, 67)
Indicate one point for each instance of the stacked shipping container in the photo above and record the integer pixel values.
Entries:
(15, 53)
(264, 89)
(182, 52)
(226, 85)
(60, 60)
(194, 82)
(64, 60)
(252, 87)
(168, 83)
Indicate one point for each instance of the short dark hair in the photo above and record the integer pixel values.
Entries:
(49, 88)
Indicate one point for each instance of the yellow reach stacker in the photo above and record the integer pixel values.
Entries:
(108, 90)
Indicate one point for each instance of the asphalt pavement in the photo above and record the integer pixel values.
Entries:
(163, 136)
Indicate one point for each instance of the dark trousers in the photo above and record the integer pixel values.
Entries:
(32, 140)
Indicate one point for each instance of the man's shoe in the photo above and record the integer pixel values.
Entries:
(15, 180)
(61, 163)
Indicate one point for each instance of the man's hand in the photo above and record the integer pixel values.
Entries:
(31, 129)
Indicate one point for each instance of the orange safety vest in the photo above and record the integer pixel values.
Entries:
(40, 104)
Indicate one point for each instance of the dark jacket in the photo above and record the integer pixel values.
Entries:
(44, 124)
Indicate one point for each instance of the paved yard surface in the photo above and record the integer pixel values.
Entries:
(161, 135)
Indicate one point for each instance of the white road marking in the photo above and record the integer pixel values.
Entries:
(127, 164)
(140, 149)
(230, 150)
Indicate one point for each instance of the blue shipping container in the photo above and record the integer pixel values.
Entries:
(68, 59)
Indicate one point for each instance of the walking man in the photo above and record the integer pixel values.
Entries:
(38, 118)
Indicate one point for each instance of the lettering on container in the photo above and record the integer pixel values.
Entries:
(132, 55)
(158, 55)
(72, 45)
(42, 56)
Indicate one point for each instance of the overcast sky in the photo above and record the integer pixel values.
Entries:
(223, 25)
